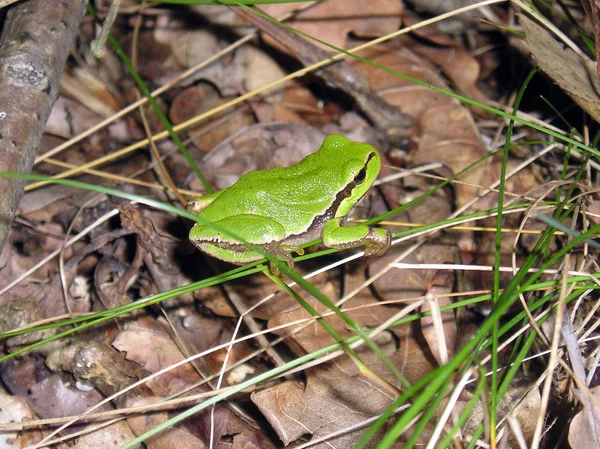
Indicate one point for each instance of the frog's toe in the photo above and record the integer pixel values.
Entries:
(280, 254)
(380, 242)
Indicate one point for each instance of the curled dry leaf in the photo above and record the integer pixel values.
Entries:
(91, 91)
(584, 431)
(575, 74)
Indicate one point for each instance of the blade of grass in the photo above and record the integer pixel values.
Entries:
(365, 370)
(467, 352)
(561, 227)
(466, 413)
(497, 258)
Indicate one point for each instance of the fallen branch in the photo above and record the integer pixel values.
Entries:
(34, 47)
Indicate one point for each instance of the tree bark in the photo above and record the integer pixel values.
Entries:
(34, 46)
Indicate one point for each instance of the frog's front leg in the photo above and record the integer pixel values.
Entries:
(337, 236)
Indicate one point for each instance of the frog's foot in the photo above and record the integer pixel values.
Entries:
(336, 236)
(283, 253)
(280, 253)
(380, 240)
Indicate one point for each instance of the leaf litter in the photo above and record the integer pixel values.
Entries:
(144, 252)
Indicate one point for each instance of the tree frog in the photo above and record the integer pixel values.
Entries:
(283, 208)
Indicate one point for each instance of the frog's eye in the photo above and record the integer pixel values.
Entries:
(360, 177)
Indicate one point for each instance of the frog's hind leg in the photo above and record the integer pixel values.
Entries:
(260, 231)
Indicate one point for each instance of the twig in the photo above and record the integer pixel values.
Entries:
(396, 125)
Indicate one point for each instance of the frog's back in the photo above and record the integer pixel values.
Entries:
(286, 194)
(293, 196)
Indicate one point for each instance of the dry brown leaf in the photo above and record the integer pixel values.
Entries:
(201, 98)
(259, 147)
(332, 400)
(230, 431)
(15, 409)
(456, 63)
(43, 198)
(413, 357)
(52, 398)
(573, 73)
(152, 347)
(155, 59)
(333, 20)
(171, 438)
(249, 68)
(446, 132)
(190, 48)
(584, 431)
(90, 91)
(253, 68)
(69, 118)
(337, 395)
(112, 436)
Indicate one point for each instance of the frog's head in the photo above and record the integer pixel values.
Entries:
(360, 164)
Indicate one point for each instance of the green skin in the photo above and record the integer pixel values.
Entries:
(281, 209)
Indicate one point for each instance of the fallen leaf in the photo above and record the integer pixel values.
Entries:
(170, 438)
(364, 19)
(584, 431)
(91, 91)
(14, 409)
(53, 398)
(113, 436)
(446, 131)
(575, 74)
(336, 394)
(259, 147)
(152, 347)
(201, 98)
